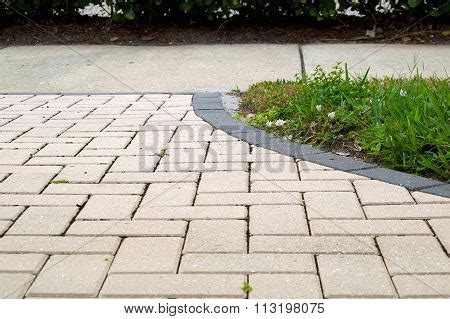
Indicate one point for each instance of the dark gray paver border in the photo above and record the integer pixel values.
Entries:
(209, 107)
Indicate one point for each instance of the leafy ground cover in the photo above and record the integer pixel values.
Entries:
(401, 123)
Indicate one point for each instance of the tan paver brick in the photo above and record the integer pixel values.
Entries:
(247, 263)
(214, 182)
(201, 167)
(69, 160)
(413, 255)
(157, 177)
(421, 211)
(148, 255)
(191, 212)
(10, 212)
(308, 166)
(59, 244)
(61, 149)
(279, 171)
(43, 221)
(312, 245)
(44, 132)
(181, 286)
(14, 286)
(14, 157)
(423, 286)
(301, 186)
(169, 194)
(213, 199)
(369, 227)
(328, 175)
(134, 164)
(127, 228)
(108, 142)
(325, 205)
(29, 169)
(423, 198)
(216, 236)
(285, 286)
(88, 173)
(372, 192)
(25, 183)
(109, 207)
(97, 189)
(71, 276)
(238, 147)
(4, 225)
(278, 220)
(442, 229)
(355, 276)
(25, 263)
(41, 200)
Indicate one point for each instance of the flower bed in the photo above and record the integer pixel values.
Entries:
(401, 123)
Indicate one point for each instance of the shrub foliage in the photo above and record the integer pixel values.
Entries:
(200, 11)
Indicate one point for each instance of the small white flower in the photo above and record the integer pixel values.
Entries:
(279, 122)
(319, 107)
(331, 115)
(402, 93)
(269, 123)
(289, 137)
(250, 115)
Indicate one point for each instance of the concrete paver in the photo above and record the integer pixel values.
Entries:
(413, 255)
(422, 286)
(247, 263)
(43, 221)
(195, 212)
(278, 220)
(71, 276)
(109, 207)
(229, 236)
(288, 285)
(354, 276)
(343, 205)
(147, 255)
(23, 263)
(14, 285)
(173, 286)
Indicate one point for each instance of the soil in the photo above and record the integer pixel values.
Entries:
(98, 32)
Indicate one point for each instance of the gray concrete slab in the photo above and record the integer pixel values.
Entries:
(383, 59)
(95, 68)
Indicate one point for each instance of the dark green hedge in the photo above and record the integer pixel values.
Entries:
(200, 11)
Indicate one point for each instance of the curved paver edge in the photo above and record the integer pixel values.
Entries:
(209, 107)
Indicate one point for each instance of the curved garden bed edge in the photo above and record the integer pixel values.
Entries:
(209, 107)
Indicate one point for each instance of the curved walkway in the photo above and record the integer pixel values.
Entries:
(136, 196)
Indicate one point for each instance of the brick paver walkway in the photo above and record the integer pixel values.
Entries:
(95, 204)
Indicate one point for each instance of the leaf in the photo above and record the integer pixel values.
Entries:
(130, 15)
(246, 287)
(414, 3)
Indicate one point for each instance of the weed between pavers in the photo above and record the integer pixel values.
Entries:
(60, 181)
(246, 287)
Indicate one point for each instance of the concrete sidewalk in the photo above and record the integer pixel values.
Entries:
(93, 68)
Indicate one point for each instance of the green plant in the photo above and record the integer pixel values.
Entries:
(200, 11)
(60, 181)
(402, 123)
(246, 287)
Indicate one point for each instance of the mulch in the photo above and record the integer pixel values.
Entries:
(99, 32)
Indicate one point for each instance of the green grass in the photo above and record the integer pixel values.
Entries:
(401, 123)
(60, 181)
